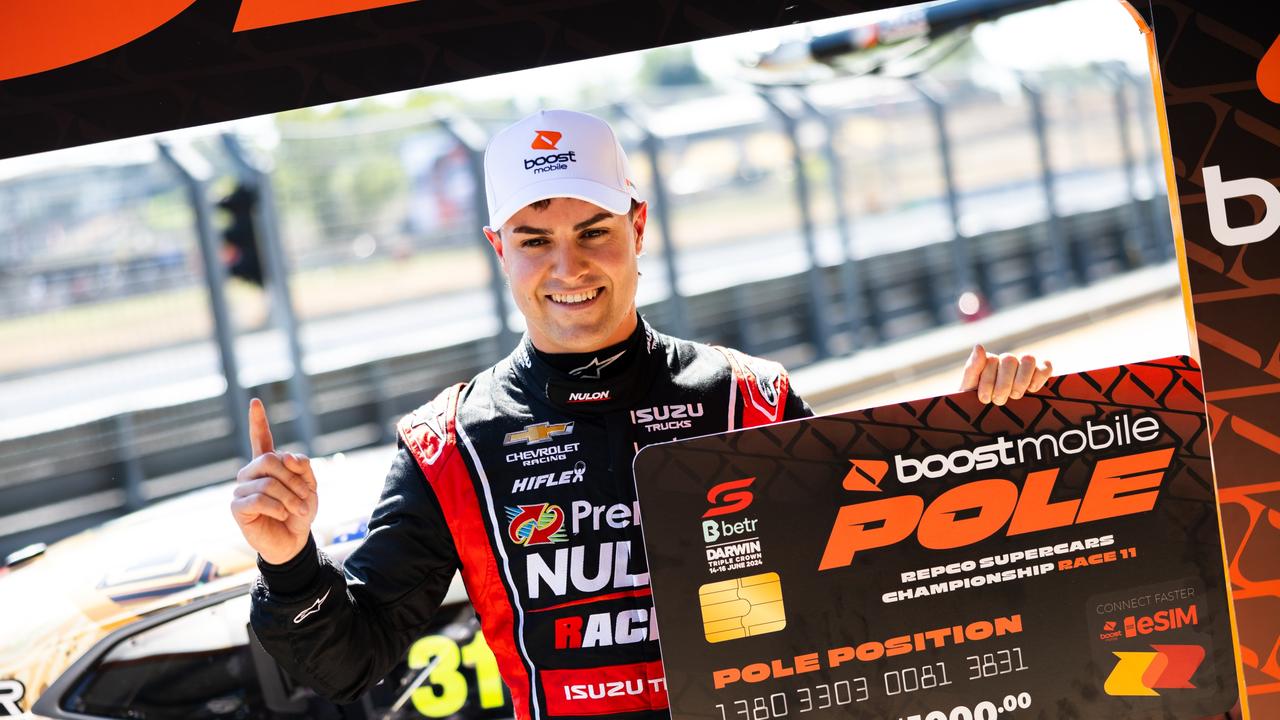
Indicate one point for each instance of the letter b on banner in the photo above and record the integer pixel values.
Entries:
(1216, 193)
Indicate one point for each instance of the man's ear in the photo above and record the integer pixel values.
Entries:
(638, 219)
(496, 241)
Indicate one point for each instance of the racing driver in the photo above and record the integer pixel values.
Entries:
(521, 477)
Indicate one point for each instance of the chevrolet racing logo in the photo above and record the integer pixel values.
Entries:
(540, 432)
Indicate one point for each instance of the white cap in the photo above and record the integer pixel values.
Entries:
(556, 153)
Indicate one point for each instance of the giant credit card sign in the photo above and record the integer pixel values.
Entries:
(943, 559)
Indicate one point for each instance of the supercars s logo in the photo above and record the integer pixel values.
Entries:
(537, 433)
(546, 140)
(539, 524)
(729, 497)
(1143, 673)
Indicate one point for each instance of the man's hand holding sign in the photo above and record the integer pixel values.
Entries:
(275, 499)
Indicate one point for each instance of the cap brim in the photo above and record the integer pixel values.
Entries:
(611, 199)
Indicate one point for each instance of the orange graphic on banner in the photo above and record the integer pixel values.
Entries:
(1143, 673)
(865, 475)
(265, 13)
(1269, 73)
(39, 36)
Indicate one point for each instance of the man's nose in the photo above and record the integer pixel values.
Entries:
(570, 261)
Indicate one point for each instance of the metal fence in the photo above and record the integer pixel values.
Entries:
(799, 223)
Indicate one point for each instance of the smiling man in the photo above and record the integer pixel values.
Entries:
(521, 478)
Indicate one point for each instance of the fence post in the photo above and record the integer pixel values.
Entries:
(1135, 244)
(961, 253)
(1161, 232)
(819, 311)
(266, 222)
(473, 139)
(128, 454)
(194, 172)
(1062, 275)
(661, 209)
(850, 280)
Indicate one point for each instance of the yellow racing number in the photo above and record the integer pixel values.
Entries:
(445, 691)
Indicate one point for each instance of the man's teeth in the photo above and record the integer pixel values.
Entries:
(575, 297)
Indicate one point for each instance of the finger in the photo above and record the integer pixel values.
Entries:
(1008, 369)
(259, 429)
(1022, 381)
(249, 508)
(1042, 375)
(273, 487)
(987, 381)
(300, 465)
(973, 368)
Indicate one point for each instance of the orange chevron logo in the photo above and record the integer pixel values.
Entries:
(1269, 73)
(1143, 673)
(865, 475)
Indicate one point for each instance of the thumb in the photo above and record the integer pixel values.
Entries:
(973, 368)
(260, 441)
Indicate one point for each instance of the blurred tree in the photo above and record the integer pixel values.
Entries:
(671, 67)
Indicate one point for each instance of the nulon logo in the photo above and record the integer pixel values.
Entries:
(586, 397)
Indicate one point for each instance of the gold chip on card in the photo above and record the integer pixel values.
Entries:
(742, 607)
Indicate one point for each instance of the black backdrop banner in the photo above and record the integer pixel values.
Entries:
(195, 68)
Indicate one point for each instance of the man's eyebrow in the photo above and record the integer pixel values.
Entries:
(529, 230)
(593, 220)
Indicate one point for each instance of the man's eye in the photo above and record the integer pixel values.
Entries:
(595, 232)
(533, 242)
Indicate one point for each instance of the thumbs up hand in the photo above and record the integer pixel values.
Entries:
(275, 499)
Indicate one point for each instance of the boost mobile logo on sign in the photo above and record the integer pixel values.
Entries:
(1218, 191)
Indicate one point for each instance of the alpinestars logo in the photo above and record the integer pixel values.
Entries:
(538, 524)
(591, 371)
(546, 140)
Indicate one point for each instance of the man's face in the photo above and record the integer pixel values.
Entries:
(572, 270)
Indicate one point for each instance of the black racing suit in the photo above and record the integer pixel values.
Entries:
(522, 480)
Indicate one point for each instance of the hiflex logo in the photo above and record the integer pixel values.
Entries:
(865, 475)
(537, 433)
(538, 524)
(546, 140)
(729, 497)
(1170, 667)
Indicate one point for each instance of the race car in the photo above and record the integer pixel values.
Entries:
(147, 617)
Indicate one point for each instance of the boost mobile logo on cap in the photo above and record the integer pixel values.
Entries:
(538, 433)
(548, 140)
(545, 139)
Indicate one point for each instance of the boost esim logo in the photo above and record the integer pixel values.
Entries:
(1143, 673)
